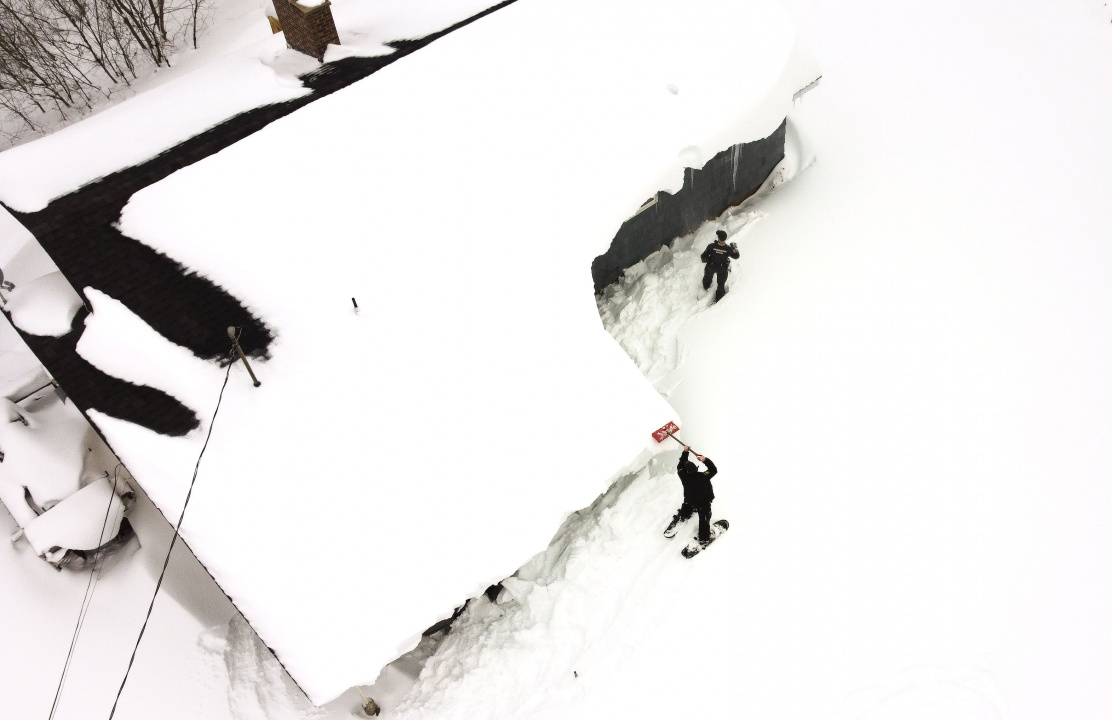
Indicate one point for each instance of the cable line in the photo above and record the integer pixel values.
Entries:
(177, 529)
(94, 575)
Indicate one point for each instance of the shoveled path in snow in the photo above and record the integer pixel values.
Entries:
(647, 308)
(79, 232)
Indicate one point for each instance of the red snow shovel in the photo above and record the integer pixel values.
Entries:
(668, 431)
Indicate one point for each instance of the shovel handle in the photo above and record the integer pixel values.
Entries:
(681, 442)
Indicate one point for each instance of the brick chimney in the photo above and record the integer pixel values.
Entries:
(308, 25)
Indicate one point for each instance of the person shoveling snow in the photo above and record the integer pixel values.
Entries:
(697, 497)
(717, 257)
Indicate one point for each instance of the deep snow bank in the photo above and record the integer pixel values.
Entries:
(395, 462)
(559, 626)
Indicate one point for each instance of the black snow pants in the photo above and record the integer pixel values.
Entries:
(723, 272)
(688, 509)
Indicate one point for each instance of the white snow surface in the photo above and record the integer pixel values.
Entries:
(44, 306)
(906, 390)
(478, 343)
(41, 301)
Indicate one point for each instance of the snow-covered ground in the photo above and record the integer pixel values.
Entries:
(906, 391)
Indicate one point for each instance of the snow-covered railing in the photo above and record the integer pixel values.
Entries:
(56, 475)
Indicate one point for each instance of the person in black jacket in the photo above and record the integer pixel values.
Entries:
(697, 494)
(717, 257)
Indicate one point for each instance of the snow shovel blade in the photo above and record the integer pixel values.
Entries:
(666, 432)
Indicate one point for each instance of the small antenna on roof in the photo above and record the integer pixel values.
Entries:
(233, 333)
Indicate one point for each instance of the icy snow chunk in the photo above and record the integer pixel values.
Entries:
(332, 53)
(692, 156)
(45, 306)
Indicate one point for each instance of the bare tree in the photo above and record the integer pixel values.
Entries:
(61, 55)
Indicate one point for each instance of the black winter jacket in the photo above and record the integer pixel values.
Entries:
(696, 485)
(719, 255)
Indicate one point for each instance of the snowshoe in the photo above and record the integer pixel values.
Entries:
(696, 546)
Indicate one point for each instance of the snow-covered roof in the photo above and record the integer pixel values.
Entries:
(140, 128)
(396, 461)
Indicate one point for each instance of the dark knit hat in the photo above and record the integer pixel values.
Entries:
(721, 234)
